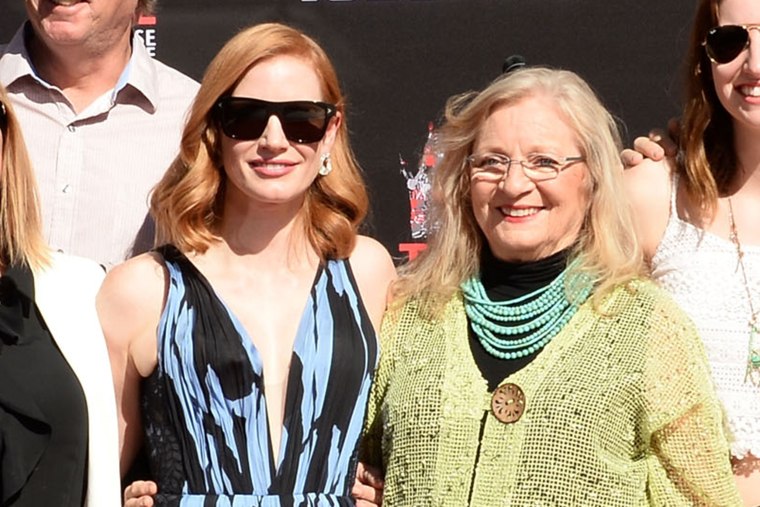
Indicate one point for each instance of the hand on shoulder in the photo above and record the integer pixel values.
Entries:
(374, 271)
(655, 146)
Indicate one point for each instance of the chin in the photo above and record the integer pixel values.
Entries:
(515, 253)
(523, 252)
(514, 246)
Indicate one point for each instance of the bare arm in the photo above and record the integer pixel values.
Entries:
(374, 272)
(129, 306)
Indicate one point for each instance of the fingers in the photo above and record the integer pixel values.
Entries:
(139, 494)
(143, 501)
(631, 158)
(367, 496)
(370, 475)
(368, 486)
(655, 146)
(668, 142)
(650, 146)
(674, 129)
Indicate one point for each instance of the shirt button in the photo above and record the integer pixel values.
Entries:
(66, 189)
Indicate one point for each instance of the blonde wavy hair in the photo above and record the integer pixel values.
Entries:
(607, 249)
(21, 240)
(187, 203)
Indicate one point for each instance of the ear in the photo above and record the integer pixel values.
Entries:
(332, 132)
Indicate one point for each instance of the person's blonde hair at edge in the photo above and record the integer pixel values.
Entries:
(21, 240)
(607, 249)
(187, 204)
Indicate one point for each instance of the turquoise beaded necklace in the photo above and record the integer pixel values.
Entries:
(537, 316)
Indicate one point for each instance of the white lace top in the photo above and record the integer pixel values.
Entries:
(701, 271)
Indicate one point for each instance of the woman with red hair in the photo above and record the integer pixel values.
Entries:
(252, 329)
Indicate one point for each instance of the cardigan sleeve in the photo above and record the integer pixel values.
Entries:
(688, 460)
(371, 450)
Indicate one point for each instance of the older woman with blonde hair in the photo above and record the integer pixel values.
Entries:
(251, 332)
(58, 440)
(525, 361)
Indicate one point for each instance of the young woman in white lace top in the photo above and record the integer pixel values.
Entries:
(700, 221)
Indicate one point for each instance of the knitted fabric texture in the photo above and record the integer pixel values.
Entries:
(620, 411)
(701, 271)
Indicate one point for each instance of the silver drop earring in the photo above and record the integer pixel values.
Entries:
(325, 165)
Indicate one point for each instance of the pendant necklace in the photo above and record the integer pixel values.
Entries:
(752, 372)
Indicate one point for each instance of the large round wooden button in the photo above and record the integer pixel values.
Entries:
(508, 403)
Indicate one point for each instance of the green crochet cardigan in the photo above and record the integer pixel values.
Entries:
(619, 411)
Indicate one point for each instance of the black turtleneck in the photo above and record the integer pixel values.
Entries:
(508, 280)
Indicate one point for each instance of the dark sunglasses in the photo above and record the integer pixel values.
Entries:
(303, 121)
(724, 43)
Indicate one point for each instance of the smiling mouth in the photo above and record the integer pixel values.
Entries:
(750, 91)
(271, 166)
(519, 212)
(65, 2)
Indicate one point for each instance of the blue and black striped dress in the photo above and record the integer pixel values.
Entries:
(204, 410)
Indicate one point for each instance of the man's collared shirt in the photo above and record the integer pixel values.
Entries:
(95, 169)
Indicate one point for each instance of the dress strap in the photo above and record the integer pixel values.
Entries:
(169, 252)
(674, 193)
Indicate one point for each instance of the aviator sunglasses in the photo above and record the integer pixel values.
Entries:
(724, 43)
(303, 121)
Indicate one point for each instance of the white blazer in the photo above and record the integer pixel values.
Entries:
(65, 295)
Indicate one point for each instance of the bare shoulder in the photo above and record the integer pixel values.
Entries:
(374, 271)
(650, 173)
(369, 253)
(136, 282)
(129, 306)
(648, 186)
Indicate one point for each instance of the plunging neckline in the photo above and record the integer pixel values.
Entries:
(257, 363)
(205, 419)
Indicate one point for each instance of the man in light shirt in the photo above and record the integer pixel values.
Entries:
(101, 118)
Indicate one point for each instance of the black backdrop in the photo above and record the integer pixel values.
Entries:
(400, 59)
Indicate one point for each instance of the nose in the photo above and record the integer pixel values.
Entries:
(273, 138)
(752, 61)
(514, 181)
